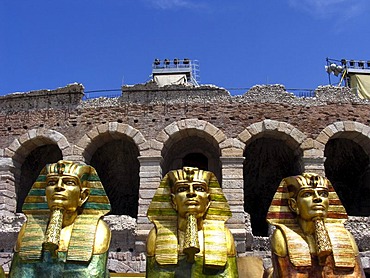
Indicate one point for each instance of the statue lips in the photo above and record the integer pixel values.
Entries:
(192, 206)
(191, 202)
(58, 196)
(319, 209)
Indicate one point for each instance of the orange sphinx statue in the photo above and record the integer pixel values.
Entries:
(310, 239)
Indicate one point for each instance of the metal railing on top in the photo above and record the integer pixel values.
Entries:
(102, 93)
(113, 93)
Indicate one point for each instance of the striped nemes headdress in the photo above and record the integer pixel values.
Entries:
(279, 211)
(37, 211)
(188, 174)
(280, 215)
(164, 217)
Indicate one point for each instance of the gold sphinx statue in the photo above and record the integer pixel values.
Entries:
(2, 273)
(310, 239)
(190, 239)
(64, 235)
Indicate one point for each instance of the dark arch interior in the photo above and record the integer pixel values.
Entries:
(195, 160)
(267, 162)
(31, 168)
(118, 167)
(192, 151)
(347, 167)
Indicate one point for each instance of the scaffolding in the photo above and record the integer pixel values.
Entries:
(351, 73)
(176, 71)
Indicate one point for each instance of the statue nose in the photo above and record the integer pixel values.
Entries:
(60, 185)
(191, 192)
(317, 198)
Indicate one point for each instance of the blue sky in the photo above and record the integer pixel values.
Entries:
(239, 43)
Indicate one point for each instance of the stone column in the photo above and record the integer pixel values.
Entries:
(150, 177)
(7, 187)
(313, 161)
(313, 156)
(10, 222)
(233, 188)
(314, 165)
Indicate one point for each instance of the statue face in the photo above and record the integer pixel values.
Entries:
(311, 203)
(65, 192)
(191, 198)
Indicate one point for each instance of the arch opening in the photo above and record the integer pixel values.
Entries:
(31, 168)
(347, 167)
(198, 160)
(192, 151)
(267, 162)
(117, 165)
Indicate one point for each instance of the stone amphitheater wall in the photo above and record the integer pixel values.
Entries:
(166, 123)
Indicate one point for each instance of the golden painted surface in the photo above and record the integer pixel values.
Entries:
(2, 273)
(53, 232)
(64, 209)
(309, 219)
(323, 243)
(191, 241)
(189, 212)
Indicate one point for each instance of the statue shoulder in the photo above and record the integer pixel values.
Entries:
(20, 237)
(150, 242)
(102, 238)
(230, 243)
(353, 243)
(278, 243)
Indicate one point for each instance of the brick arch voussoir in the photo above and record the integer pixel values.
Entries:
(150, 148)
(355, 131)
(232, 146)
(105, 133)
(286, 132)
(34, 138)
(20, 148)
(190, 127)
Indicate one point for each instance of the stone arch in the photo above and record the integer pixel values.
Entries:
(272, 152)
(113, 150)
(347, 163)
(357, 132)
(103, 133)
(191, 136)
(29, 154)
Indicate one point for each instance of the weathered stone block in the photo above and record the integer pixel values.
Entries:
(146, 194)
(245, 136)
(232, 152)
(232, 183)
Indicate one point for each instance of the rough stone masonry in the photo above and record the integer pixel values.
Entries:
(250, 142)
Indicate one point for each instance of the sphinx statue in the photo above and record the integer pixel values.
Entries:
(64, 235)
(189, 238)
(2, 273)
(310, 239)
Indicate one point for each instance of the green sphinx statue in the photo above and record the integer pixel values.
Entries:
(190, 238)
(310, 239)
(64, 235)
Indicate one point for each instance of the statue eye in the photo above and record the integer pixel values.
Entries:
(181, 189)
(306, 194)
(199, 188)
(324, 194)
(51, 182)
(70, 182)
